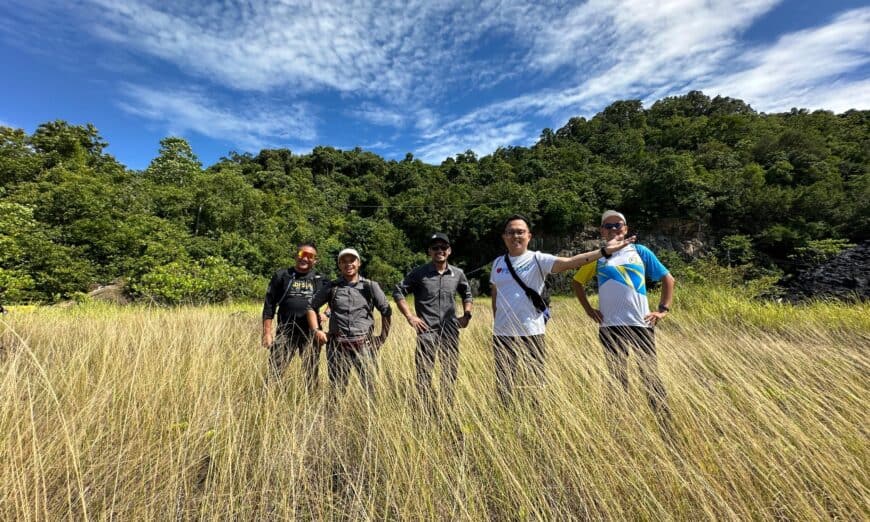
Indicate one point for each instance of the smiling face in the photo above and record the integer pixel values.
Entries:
(439, 251)
(306, 258)
(348, 264)
(516, 237)
(613, 228)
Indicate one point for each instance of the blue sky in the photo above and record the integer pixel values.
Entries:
(434, 78)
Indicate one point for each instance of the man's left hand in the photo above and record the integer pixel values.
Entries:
(463, 321)
(653, 318)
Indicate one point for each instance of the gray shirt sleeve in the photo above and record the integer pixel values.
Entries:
(380, 300)
(463, 288)
(406, 286)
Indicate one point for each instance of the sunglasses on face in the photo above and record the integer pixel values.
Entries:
(515, 232)
(439, 248)
(305, 255)
(612, 226)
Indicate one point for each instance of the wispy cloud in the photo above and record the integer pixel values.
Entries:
(378, 115)
(189, 110)
(805, 68)
(453, 75)
(648, 52)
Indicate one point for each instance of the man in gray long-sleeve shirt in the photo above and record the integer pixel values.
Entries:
(350, 342)
(434, 286)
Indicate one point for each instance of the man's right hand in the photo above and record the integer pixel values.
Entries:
(320, 337)
(595, 315)
(268, 339)
(418, 324)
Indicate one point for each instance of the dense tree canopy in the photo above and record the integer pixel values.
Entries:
(759, 188)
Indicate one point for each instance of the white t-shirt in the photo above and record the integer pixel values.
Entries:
(515, 315)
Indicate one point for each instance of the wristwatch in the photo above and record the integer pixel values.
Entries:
(663, 308)
(604, 253)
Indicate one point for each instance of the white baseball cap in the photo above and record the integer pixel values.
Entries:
(611, 213)
(351, 251)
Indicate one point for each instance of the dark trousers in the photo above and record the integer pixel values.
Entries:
(444, 345)
(509, 352)
(288, 342)
(342, 357)
(618, 341)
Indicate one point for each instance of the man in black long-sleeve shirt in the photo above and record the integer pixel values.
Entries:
(290, 292)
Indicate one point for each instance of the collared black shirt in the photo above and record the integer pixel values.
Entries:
(435, 294)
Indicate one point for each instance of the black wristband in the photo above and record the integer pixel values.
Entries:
(604, 253)
(467, 315)
(663, 308)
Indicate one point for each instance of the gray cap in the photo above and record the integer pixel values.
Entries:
(351, 251)
(611, 213)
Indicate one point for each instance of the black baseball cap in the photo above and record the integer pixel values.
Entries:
(439, 236)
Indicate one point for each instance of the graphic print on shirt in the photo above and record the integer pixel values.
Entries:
(630, 274)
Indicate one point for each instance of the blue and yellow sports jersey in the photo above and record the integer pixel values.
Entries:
(622, 284)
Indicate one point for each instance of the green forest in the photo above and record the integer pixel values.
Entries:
(767, 192)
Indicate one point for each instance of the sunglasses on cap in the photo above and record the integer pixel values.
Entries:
(612, 226)
(302, 254)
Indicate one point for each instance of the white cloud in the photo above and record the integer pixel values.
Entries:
(393, 47)
(649, 51)
(378, 115)
(408, 64)
(482, 139)
(187, 110)
(806, 69)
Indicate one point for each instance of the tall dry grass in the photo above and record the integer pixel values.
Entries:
(140, 413)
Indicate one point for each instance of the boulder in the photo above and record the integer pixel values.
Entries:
(844, 277)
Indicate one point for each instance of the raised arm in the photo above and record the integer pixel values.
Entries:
(567, 263)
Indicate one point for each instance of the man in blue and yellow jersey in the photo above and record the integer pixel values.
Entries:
(626, 322)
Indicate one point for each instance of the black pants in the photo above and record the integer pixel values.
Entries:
(340, 359)
(289, 341)
(444, 345)
(618, 341)
(508, 352)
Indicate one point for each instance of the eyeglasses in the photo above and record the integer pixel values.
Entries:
(612, 226)
(306, 255)
(518, 232)
(439, 248)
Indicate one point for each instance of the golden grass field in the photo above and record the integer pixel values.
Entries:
(146, 413)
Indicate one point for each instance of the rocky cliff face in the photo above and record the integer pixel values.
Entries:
(846, 277)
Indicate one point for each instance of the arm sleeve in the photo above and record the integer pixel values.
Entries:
(493, 269)
(463, 288)
(654, 268)
(545, 261)
(273, 293)
(406, 286)
(586, 273)
(380, 300)
(320, 298)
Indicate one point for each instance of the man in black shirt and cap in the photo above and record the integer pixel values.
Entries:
(435, 286)
(290, 291)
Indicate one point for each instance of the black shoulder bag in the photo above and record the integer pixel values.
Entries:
(541, 304)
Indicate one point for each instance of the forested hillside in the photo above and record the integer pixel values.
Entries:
(765, 189)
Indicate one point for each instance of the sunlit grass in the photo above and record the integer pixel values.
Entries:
(154, 413)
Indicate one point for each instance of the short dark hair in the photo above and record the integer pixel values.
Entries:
(306, 244)
(515, 217)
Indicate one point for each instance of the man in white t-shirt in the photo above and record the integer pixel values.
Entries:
(518, 324)
(625, 320)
